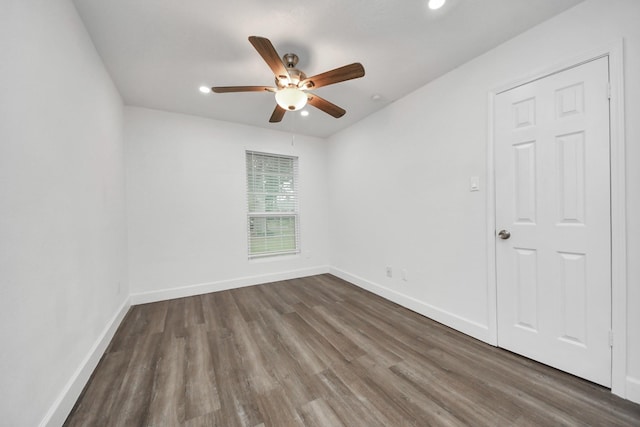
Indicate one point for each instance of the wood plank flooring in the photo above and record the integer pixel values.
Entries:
(318, 351)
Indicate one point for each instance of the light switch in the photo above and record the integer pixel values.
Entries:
(474, 183)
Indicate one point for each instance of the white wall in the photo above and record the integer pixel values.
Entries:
(186, 204)
(62, 228)
(399, 180)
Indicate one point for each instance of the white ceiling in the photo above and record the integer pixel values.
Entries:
(159, 52)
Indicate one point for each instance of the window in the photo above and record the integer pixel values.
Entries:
(272, 204)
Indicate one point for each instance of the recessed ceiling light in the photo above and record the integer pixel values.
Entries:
(304, 113)
(376, 97)
(436, 4)
(205, 89)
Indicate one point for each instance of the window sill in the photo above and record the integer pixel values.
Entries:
(272, 258)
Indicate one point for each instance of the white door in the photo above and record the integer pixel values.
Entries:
(553, 198)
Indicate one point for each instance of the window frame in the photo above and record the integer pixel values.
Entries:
(273, 209)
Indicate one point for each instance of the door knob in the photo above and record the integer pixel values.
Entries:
(504, 234)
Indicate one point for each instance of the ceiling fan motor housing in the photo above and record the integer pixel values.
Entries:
(295, 76)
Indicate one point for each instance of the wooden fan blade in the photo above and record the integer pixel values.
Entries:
(270, 56)
(326, 106)
(348, 72)
(226, 89)
(277, 115)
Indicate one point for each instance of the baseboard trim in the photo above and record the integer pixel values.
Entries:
(59, 411)
(454, 321)
(223, 285)
(633, 389)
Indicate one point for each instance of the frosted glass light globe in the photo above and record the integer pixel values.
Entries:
(291, 98)
(436, 4)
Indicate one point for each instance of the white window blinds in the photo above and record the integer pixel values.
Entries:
(272, 204)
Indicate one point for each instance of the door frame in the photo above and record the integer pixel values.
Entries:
(615, 52)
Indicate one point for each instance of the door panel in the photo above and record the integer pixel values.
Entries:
(553, 196)
(527, 288)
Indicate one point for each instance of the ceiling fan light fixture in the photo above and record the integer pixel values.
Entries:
(291, 98)
(292, 84)
(436, 4)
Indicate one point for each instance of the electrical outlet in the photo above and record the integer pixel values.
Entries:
(389, 272)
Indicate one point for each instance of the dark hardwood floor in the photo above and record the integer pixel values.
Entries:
(321, 352)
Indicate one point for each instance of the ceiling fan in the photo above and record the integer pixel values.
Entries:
(292, 85)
